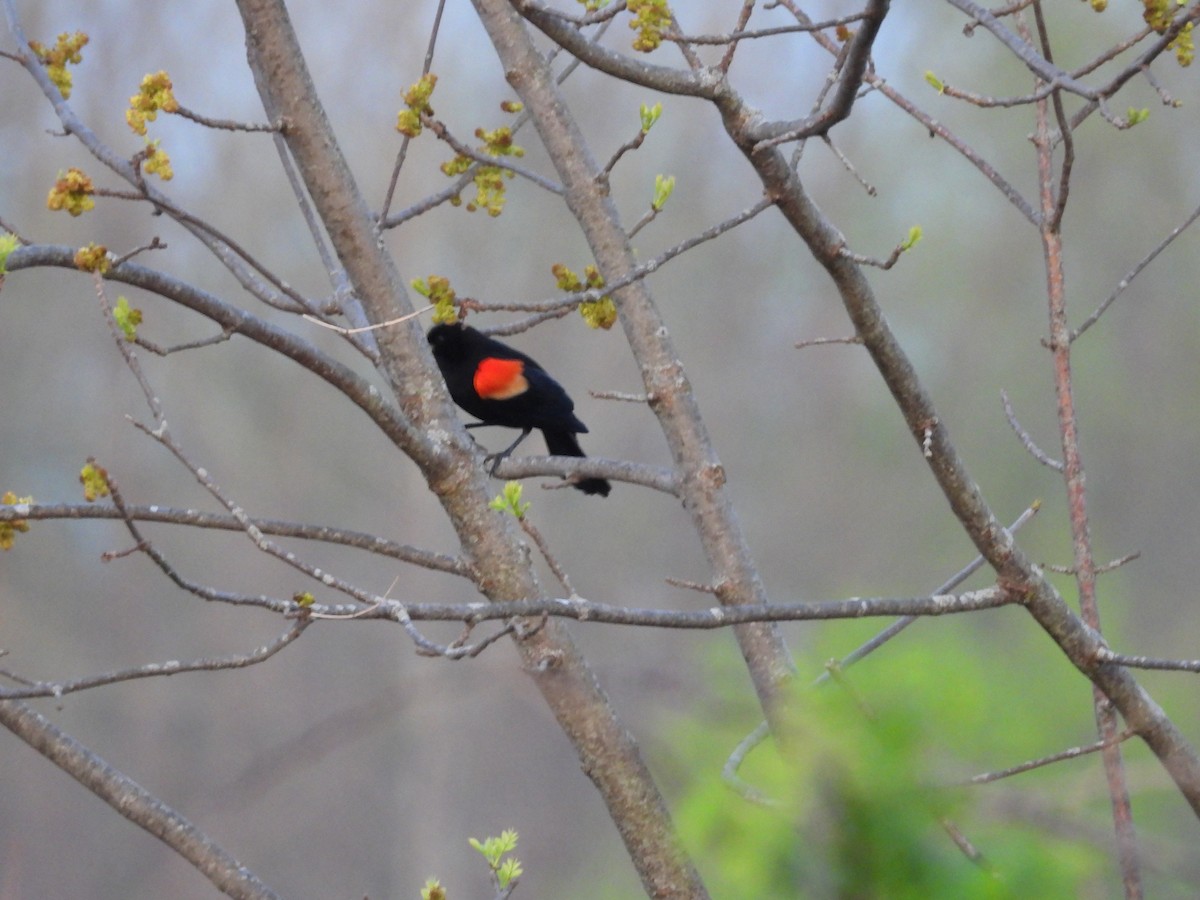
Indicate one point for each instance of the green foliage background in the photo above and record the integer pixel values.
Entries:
(878, 764)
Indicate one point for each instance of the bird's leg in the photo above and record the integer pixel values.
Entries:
(496, 458)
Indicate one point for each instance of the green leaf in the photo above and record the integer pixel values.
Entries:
(664, 186)
(509, 501)
(507, 840)
(494, 848)
(510, 870)
(935, 82)
(600, 313)
(650, 115)
(128, 318)
(10, 529)
(94, 480)
(8, 243)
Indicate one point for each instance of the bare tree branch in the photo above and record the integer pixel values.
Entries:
(402, 154)
(442, 448)
(1014, 568)
(1075, 482)
(58, 689)
(452, 565)
(443, 133)
(934, 126)
(73, 125)
(1023, 51)
(358, 389)
(702, 477)
(853, 71)
(133, 802)
(661, 78)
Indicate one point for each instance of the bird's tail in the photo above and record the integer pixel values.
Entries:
(564, 443)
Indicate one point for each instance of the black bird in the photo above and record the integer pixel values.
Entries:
(502, 386)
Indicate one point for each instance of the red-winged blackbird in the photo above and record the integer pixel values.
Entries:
(502, 386)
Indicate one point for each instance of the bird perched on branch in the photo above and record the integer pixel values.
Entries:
(502, 386)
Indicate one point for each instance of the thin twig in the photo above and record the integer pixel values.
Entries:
(647, 217)
(1064, 127)
(738, 35)
(1150, 662)
(561, 305)
(233, 259)
(1024, 51)
(853, 70)
(1034, 450)
(300, 302)
(155, 244)
(6, 227)
(343, 293)
(58, 689)
(623, 396)
(729, 771)
(447, 194)
(125, 346)
(1117, 563)
(1001, 13)
(688, 585)
(1134, 272)
(402, 154)
(1072, 753)
(184, 217)
(969, 850)
(1110, 53)
(397, 613)
(484, 159)
(226, 124)
(849, 166)
(544, 548)
(934, 126)
(740, 29)
(884, 264)
(158, 350)
(826, 341)
(632, 144)
(1159, 88)
(950, 584)
(363, 328)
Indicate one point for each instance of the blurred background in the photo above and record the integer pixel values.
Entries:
(347, 766)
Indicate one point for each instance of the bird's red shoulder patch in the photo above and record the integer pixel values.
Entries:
(500, 379)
